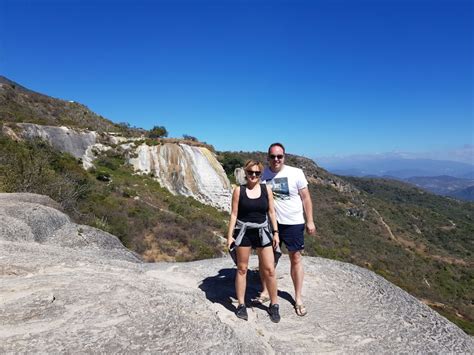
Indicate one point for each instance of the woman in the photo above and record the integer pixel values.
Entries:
(248, 228)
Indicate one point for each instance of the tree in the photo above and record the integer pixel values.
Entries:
(123, 125)
(190, 138)
(158, 132)
(230, 162)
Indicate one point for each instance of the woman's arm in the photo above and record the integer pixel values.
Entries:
(272, 215)
(233, 215)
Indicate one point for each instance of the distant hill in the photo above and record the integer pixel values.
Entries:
(468, 175)
(442, 177)
(466, 194)
(19, 104)
(446, 185)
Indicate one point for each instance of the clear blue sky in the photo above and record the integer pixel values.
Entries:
(324, 77)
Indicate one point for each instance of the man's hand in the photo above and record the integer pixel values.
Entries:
(310, 228)
(308, 210)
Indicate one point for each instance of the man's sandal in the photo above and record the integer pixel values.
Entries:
(300, 310)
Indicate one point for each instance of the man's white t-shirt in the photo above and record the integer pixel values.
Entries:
(285, 186)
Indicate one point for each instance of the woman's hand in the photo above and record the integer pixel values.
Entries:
(276, 240)
(230, 240)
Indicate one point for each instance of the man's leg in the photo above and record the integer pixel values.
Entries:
(297, 275)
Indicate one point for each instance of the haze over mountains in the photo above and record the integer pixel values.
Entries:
(396, 166)
(462, 189)
(442, 177)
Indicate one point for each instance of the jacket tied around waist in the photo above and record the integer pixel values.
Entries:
(264, 234)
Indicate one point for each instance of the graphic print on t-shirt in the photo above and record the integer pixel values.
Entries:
(280, 189)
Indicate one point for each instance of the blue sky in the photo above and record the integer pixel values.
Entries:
(323, 77)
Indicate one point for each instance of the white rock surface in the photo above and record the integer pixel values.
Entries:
(75, 142)
(186, 170)
(69, 288)
(91, 154)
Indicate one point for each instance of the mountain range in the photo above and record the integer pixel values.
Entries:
(402, 168)
(442, 177)
(459, 188)
(416, 240)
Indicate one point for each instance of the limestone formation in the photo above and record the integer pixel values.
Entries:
(183, 169)
(75, 142)
(239, 174)
(186, 170)
(68, 288)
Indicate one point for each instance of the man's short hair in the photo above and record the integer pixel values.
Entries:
(276, 145)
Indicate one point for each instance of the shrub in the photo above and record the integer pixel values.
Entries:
(230, 162)
(34, 166)
(158, 132)
(190, 138)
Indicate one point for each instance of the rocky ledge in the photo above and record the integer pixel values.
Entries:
(70, 288)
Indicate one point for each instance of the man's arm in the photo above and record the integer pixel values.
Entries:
(308, 210)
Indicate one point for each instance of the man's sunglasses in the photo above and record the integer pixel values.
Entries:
(256, 173)
(279, 156)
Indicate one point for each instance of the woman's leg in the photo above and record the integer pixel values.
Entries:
(264, 292)
(267, 270)
(243, 254)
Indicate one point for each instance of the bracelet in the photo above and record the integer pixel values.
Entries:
(275, 232)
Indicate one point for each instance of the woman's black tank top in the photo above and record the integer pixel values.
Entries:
(253, 209)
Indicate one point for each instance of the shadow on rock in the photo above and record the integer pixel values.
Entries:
(220, 289)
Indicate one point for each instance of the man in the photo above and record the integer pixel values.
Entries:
(292, 204)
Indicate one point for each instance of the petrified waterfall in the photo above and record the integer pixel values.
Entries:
(181, 168)
(186, 170)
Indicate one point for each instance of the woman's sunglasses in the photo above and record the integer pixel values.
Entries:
(256, 173)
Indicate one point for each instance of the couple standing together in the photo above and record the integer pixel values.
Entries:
(285, 199)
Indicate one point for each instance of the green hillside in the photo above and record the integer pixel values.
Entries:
(419, 241)
(146, 217)
(19, 104)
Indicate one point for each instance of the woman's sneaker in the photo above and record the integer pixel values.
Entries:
(242, 312)
(274, 312)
